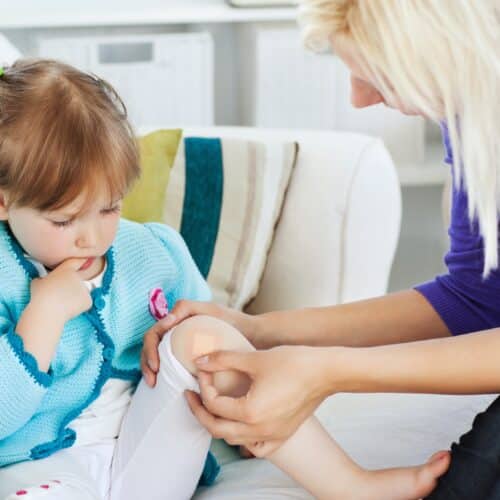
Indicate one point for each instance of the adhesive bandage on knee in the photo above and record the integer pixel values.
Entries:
(202, 343)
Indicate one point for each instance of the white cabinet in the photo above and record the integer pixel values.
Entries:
(286, 86)
(163, 79)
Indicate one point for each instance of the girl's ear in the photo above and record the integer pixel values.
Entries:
(4, 214)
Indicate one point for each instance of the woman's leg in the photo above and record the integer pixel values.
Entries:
(162, 448)
(475, 461)
(310, 456)
(494, 494)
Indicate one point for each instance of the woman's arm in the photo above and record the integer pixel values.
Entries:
(399, 317)
(467, 364)
(289, 382)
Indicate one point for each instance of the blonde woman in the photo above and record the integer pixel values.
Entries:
(439, 59)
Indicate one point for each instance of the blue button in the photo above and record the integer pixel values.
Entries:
(108, 353)
(99, 302)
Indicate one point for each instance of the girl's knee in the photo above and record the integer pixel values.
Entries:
(200, 335)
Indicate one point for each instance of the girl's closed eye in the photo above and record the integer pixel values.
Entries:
(112, 210)
(115, 209)
(62, 223)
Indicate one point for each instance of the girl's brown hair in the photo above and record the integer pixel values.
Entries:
(62, 132)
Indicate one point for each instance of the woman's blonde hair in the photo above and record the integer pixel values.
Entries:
(62, 133)
(442, 58)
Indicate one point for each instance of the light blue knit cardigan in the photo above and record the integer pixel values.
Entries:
(106, 341)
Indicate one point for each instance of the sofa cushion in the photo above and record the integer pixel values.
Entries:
(145, 201)
(225, 196)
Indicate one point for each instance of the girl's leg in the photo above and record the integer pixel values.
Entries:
(61, 476)
(475, 461)
(162, 448)
(310, 456)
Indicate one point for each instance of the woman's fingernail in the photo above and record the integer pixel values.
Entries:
(202, 361)
(151, 365)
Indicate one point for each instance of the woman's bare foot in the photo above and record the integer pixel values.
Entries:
(409, 483)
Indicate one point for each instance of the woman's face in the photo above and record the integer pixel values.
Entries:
(364, 92)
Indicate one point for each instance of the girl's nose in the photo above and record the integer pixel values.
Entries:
(86, 239)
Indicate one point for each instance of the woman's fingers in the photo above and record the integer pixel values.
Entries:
(221, 406)
(184, 309)
(150, 359)
(232, 432)
(228, 360)
(235, 433)
(148, 374)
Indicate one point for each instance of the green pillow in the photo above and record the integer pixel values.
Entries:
(145, 202)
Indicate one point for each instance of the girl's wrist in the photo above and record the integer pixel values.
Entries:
(37, 312)
(47, 307)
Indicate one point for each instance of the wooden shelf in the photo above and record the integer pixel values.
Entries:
(59, 13)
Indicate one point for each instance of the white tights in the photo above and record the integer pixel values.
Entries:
(159, 454)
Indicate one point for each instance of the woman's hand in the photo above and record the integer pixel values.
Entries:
(182, 310)
(288, 384)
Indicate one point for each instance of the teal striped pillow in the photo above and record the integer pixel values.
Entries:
(225, 196)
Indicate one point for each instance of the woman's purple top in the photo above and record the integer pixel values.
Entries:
(465, 301)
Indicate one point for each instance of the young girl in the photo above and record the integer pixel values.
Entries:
(79, 289)
(439, 59)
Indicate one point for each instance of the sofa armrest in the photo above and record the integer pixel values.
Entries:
(338, 232)
(372, 226)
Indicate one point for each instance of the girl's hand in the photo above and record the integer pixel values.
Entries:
(288, 384)
(63, 291)
(182, 310)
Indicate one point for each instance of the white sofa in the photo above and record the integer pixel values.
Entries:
(343, 199)
(335, 242)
